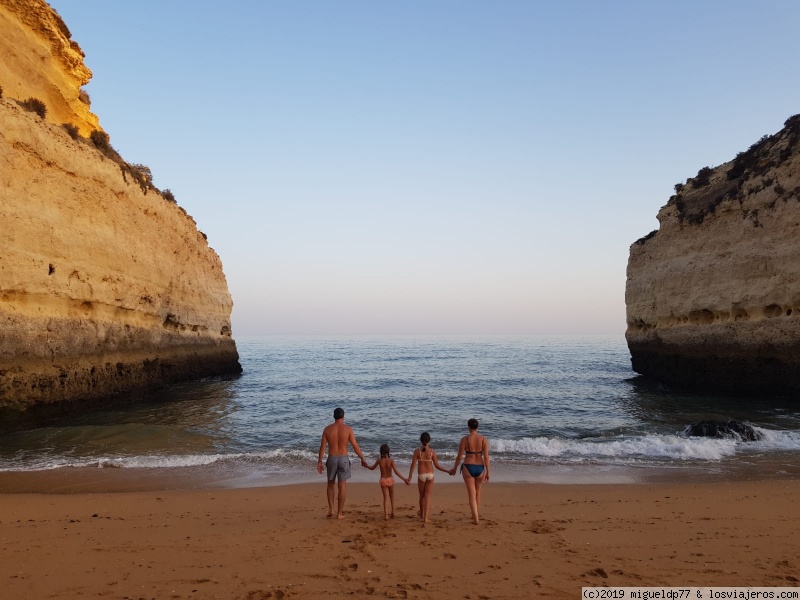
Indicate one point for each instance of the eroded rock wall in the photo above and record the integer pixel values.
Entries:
(39, 59)
(105, 286)
(713, 296)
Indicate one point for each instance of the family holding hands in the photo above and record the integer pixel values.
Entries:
(474, 449)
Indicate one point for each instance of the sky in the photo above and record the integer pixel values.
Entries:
(438, 167)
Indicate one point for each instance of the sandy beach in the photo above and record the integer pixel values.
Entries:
(276, 542)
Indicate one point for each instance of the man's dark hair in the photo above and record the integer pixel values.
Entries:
(338, 413)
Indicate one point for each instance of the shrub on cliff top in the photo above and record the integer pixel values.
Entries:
(100, 139)
(34, 105)
(168, 195)
(140, 173)
(642, 240)
(144, 171)
(748, 160)
(702, 178)
(71, 130)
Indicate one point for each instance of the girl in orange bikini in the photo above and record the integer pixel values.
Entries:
(427, 461)
(386, 463)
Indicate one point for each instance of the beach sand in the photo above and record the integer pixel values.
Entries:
(276, 542)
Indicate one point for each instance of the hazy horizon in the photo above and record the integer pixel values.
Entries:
(449, 168)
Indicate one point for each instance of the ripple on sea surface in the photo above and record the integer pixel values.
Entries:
(545, 402)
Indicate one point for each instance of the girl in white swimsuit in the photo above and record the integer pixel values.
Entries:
(426, 457)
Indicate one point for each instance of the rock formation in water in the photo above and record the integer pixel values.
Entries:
(713, 296)
(736, 430)
(106, 284)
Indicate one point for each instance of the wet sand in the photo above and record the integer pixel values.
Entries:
(275, 542)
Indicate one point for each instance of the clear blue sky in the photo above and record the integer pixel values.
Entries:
(432, 167)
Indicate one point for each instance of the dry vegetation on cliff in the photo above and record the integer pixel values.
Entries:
(141, 174)
(749, 173)
(34, 105)
(99, 139)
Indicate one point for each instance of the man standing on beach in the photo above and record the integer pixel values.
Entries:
(337, 435)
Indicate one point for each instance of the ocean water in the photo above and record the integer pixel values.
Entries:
(554, 408)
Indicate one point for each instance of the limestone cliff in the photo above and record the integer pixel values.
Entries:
(713, 296)
(105, 285)
(38, 59)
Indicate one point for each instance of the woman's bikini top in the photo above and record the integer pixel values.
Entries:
(468, 451)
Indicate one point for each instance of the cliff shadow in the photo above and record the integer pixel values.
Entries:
(652, 400)
(66, 413)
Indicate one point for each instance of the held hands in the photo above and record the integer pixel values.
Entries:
(452, 471)
(408, 481)
(364, 463)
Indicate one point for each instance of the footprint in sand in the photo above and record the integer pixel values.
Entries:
(265, 595)
(598, 572)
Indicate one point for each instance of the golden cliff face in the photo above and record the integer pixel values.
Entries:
(713, 296)
(38, 59)
(105, 286)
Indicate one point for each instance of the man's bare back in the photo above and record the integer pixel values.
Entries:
(338, 435)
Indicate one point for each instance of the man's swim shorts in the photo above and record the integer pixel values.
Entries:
(338, 466)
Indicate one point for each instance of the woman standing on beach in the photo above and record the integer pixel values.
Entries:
(475, 449)
(426, 457)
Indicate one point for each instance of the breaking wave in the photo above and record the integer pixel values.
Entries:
(661, 447)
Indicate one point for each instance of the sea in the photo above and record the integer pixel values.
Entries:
(555, 409)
